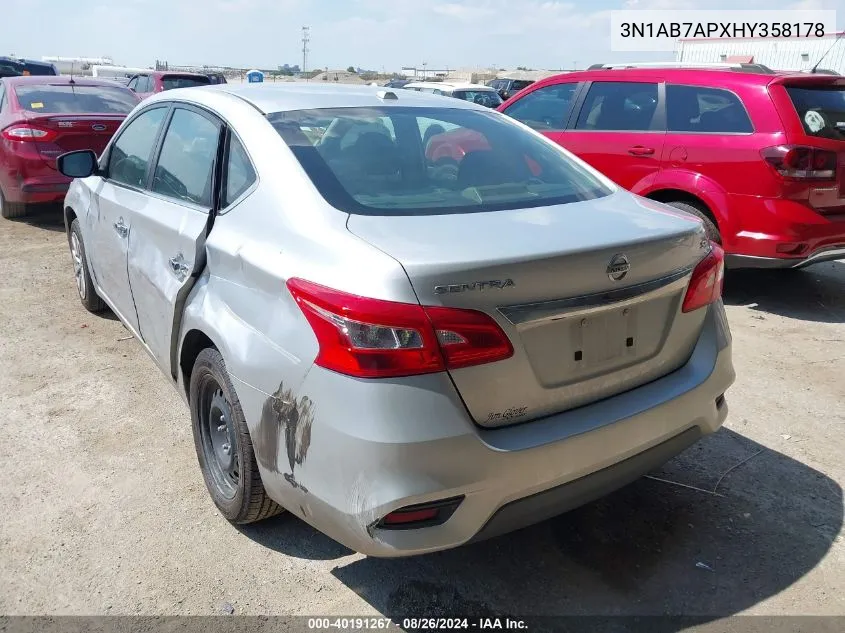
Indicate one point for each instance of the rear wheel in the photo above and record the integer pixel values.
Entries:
(84, 284)
(700, 212)
(223, 444)
(11, 210)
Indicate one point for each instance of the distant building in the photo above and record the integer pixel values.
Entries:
(777, 54)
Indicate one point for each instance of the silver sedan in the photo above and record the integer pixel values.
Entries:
(413, 323)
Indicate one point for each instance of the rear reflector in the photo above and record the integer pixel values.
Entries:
(372, 338)
(420, 515)
(705, 286)
(798, 162)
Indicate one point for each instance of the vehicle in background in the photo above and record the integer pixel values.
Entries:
(43, 117)
(152, 82)
(217, 78)
(29, 66)
(474, 93)
(408, 358)
(509, 87)
(397, 83)
(116, 73)
(758, 155)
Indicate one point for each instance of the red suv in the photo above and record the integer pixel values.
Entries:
(147, 84)
(759, 156)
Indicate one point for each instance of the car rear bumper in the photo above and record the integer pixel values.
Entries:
(38, 189)
(373, 447)
(821, 255)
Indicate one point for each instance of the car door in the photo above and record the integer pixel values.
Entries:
(167, 241)
(115, 198)
(620, 130)
(546, 109)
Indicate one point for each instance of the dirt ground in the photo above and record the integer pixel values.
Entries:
(104, 510)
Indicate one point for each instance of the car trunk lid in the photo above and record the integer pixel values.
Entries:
(70, 132)
(589, 294)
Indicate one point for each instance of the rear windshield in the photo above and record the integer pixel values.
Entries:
(489, 98)
(46, 99)
(519, 85)
(433, 160)
(821, 109)
(170, 82)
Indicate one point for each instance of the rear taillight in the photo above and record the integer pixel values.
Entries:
(372, 338)
(705, 287)
(798, 162)
(28, 133)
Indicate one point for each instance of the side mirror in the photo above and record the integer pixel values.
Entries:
(78, 164)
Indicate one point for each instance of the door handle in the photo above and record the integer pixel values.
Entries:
(179, 267)
(121, 228)
(639, 150)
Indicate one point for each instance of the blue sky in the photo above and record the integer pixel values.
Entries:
(368, 33)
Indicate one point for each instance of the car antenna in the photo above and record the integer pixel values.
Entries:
(71, 82)
(830, 48)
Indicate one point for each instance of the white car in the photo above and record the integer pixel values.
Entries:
(474, 93)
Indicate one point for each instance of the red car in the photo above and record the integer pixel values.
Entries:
(759, 156)
(147, 84)
(42, 117)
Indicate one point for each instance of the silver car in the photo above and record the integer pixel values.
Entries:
(413, 322)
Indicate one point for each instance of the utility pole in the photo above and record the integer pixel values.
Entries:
(306, 39)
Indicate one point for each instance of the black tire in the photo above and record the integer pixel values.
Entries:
(10, 210)
(84, 284)
(232, 479)
(697, 210)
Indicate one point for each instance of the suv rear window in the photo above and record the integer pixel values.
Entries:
(433, 160)
(708, 110)
(47, 99)
(171, 82)
(821, 110)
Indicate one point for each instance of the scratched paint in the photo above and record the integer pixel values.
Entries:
(283, 416)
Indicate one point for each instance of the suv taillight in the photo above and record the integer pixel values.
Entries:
(372, 338)
(798, 162)
(705, 287)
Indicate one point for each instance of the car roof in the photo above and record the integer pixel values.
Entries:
(687, 75)
(288, 96)
(447, 84)
(58, 80)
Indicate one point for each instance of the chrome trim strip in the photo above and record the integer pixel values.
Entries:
(557, 308)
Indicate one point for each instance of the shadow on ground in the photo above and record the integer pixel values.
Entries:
(47, 216)
(652, 548)
(815, 293)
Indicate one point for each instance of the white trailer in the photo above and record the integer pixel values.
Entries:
(778, 54)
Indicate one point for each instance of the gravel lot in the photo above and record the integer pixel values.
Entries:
(104, 510)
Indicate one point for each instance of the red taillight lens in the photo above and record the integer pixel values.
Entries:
(372, 338)
(705, 287)
(28, 133)
(801, 163)
(411, 516)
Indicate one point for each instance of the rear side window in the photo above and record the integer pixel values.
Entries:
(130, 155)
(70, 99)
(699, 109)
(185, 168)
(821, 110)
(239, 172)
(430, 160)
(618, 106)
(171, 82)
(2, 97)
(545, 109)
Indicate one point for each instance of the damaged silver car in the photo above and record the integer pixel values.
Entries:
(413, 323)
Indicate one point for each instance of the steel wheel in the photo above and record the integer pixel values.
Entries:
(78, 265)
(219, 438)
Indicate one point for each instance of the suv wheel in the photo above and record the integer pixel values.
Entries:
(698, 211)
(223, 444)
